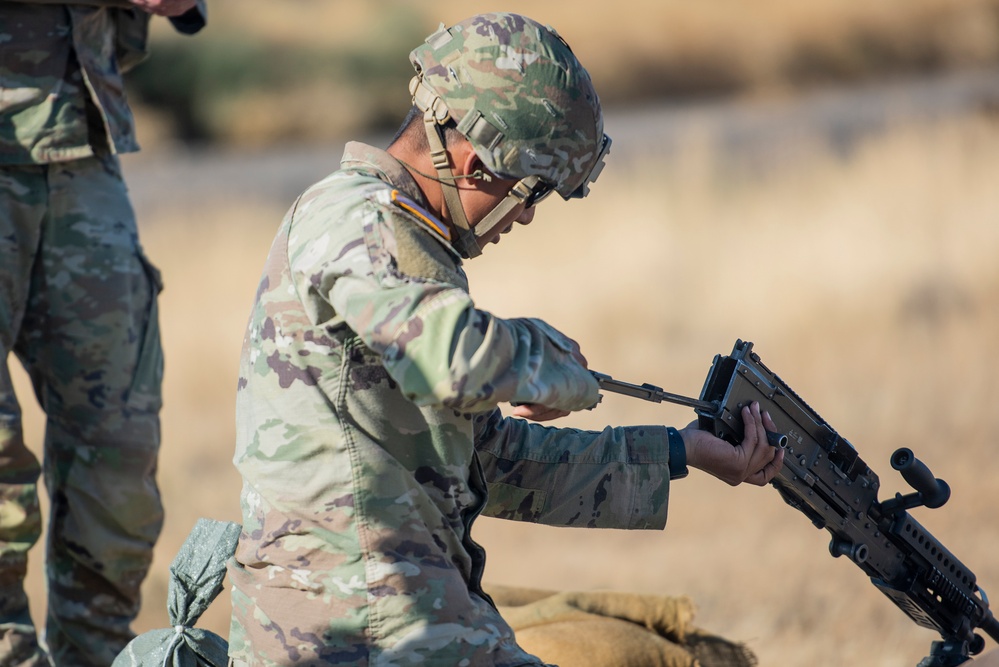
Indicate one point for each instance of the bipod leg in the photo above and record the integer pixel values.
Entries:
(946, 654)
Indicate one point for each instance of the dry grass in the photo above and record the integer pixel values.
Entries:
(758, 38)
(311, 69)
(867, 283)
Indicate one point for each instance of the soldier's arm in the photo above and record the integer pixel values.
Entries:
(187, 16)
(614, 478)
(433, 341)
(89, 3)
(443, 350)
(159, 7)
(165, 7)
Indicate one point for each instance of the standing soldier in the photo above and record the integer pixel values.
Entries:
(78, 308)
(368, 433)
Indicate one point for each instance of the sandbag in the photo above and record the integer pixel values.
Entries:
(612, 629)
(196, 577)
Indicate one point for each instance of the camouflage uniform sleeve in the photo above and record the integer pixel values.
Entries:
(433, 342)
(88, 3)
(188, 23)
(191, 21)
(615, 478)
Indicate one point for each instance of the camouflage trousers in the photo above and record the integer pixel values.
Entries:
(78, 308)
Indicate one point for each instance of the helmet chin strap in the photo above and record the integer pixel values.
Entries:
(466, 238)
(517, 195)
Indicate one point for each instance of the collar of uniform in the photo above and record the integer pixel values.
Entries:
(357, 155)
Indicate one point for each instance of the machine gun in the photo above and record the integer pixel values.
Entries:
(824, 478)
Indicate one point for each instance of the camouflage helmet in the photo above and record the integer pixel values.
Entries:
(519, 95)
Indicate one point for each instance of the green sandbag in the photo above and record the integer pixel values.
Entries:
(196, 577)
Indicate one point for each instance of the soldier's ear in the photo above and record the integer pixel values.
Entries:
(469, 164)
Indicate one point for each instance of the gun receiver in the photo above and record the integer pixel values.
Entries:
(824, 478)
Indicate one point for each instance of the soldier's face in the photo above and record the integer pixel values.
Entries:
(525, 218)
(484, 197)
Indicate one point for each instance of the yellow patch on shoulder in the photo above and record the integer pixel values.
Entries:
(411, 207)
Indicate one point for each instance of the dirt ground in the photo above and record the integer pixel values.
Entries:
(867, 281)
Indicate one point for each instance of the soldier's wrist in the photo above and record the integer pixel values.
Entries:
(677, 454)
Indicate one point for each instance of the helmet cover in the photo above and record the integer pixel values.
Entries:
(519, 95)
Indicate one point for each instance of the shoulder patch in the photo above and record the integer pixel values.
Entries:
(424, 216)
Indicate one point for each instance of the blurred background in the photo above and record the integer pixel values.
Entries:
(820, 178)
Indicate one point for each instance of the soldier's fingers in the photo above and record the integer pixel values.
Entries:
(536, 412)
(769, 471)
(749, 433)
(549, 415)
(762, 452)
(768, 422)
(755, 433)
(761, 431)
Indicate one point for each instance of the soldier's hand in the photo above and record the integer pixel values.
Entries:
(537, 412)
(542, 413)
(754, 460)
(164, 7)
(578, 355)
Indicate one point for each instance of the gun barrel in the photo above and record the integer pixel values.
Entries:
(991, 626)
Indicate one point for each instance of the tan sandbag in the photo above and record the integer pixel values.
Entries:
(611, 629)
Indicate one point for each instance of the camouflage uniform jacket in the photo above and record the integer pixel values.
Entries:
(61, 90)
(368, 429)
